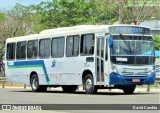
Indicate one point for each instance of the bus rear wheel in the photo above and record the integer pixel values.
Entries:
(69, 88)
(89, 85)
(129, 89)
(35, 84)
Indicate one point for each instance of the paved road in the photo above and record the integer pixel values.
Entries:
(56, 96)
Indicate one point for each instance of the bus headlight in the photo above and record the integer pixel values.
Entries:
(114, 69)
(153, 69)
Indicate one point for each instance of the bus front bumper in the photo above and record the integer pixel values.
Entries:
(117, 79)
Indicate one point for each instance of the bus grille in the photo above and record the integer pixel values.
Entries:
(136, 72)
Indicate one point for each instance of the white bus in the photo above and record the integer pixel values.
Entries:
(95, 56)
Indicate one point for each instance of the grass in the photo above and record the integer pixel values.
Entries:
(156, 85)
(1, 74)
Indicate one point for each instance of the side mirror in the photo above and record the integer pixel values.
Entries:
(110, 41)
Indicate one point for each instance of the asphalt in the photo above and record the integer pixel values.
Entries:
(13, 95)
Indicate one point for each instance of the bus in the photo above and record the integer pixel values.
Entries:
(92, 56)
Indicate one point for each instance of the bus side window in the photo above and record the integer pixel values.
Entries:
(58, 47)
(69, 46)
(76, 46)
(44, 48)
(21, 50)
(32, 49)
(106, 56)
(72, 48)
(87, 44)
(10, 51)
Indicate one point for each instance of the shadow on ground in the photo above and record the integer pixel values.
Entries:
(83, 93)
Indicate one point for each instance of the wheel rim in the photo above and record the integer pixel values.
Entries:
(88, 84)
(34, 83)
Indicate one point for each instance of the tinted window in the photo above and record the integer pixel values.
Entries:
(21, 50)
(76, 46)
(44, 48)
(32, 49)
(58, 47)
(87, 44)
(69, 46)
(106, 56)
(72, 46)
(11, 51)
(98, 43)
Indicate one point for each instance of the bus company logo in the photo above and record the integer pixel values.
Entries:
(57, 64)
(53, 63)
(122, 59)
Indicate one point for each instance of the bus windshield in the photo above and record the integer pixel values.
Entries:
(132, 50)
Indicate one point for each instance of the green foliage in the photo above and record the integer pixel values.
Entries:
(107, 11)
(60, 13)
(156, 42)
(2, 16)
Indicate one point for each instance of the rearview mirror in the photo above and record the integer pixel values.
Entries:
(110, 41)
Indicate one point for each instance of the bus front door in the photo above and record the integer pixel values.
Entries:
(100, 60)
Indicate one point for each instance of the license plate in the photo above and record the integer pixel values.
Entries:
(135, 80)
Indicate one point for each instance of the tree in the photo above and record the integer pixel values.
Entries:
(107, 11)
(136, 11)
(59, 13)
(156, 39)
(15, 22)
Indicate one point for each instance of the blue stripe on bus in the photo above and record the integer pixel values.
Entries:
(33, 63)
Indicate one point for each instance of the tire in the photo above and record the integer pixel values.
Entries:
(88, 85)
(69, 88)
(35, 84)
(129, 89)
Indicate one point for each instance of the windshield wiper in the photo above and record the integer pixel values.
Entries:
(127, 43)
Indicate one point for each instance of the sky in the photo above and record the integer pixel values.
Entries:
(6, 4)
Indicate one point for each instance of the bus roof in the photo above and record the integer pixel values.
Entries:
(65, 31)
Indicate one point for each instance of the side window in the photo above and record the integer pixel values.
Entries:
(72, 47)
(44, 48)
(10, 51)
(106, 49)
(76, 46)
(69, 46)
(32, 49)
(54, 48)
(57, 47)
(21, 50)
(87, 44)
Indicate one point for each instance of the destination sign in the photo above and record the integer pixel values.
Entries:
(129, 30)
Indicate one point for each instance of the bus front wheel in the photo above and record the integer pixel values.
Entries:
(35, 84)
(129, 89)
(89, 85)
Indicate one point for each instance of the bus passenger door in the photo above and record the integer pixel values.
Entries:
(100, 60)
